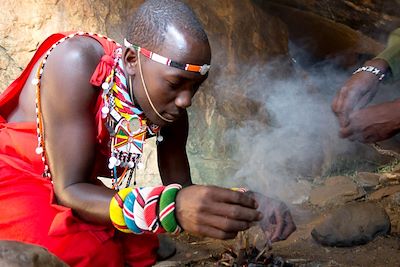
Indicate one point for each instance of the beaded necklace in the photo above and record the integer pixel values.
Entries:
(126, 124)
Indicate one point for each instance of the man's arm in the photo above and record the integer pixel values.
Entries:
(68, 101)
(172, 158)
(362, 86)
(391, 54)
(209, 210)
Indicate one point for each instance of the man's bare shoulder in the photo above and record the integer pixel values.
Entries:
(68, 71)
(77, 53)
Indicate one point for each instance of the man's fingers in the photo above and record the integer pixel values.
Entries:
(290, 227)
(213, 232)
(234, 197)
(280, 224)
(343, 119)
(341, 113)
(235, 212)
(226, 224)
(346, 132)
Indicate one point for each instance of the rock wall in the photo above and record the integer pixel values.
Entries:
(239, 32)
(247, 38)
(374, 18)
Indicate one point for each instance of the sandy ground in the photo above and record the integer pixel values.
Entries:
(299, 249)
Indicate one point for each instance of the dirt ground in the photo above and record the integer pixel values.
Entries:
(299, 249)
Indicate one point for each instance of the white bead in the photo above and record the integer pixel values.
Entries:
(35, 81)
(105, 110)
(131, 164)
(112, 160)
(118, 163)
(160, 138)
(110, 166)
(105, 86)
(39, 150)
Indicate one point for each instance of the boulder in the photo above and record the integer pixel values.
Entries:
(352, 224)
(18, 254)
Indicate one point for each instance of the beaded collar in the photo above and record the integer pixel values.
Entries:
(126, 124)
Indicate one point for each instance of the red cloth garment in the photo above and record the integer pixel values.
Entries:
(28, 210)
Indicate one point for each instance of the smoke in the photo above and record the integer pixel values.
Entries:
(300, 140)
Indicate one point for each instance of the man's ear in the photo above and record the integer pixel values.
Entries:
(130, 61)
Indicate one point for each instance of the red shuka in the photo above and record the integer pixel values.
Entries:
(28, 210)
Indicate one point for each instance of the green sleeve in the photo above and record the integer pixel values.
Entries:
(392, 54)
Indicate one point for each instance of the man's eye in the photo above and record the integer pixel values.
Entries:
(173, 84)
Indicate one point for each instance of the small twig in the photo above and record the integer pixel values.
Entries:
(262, 252)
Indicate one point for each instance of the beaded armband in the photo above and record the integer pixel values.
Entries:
(145, 209)
(372, 70)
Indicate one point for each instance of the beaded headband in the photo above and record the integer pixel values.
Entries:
(166, 61)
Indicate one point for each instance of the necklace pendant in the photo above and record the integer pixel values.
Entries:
(134, 125)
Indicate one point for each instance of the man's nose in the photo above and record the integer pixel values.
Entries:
(184, 99)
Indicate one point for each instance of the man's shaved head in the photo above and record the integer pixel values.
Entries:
(149, 24)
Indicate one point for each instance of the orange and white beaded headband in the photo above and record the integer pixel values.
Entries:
(166, 61)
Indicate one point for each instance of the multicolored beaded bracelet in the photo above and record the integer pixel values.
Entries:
(129, 216)
(116, 210)
(167, 209)
(151, 207)
(145, 209)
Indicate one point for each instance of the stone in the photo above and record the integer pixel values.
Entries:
(389, 178)
(372, 17)
(396, 198)
(18, 254)
(367, 180)
(299, 192)
(322, 37)
(352, 224)
(384, 192)
(335, 191)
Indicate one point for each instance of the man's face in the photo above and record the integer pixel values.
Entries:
(170, 89)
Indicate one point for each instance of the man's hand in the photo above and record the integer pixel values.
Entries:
(357, 92)
(374, 123)
(277, 222)
(215, 212)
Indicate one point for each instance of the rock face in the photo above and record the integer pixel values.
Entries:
(246, 38)
(320, 37)
(352, 224)
(239, 32)
(375, 18)
(16, 254)
(335, 191)
(367, 180)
